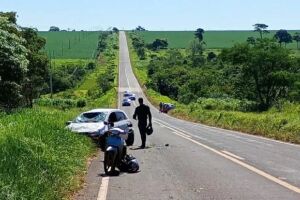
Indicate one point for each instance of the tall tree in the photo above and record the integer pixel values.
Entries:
(13, 64)
(195, 53)
(158, 44)
(140, 28)
(115, 30)
(261, 29)
(199, 34)
(282, 36)
(296, 37)
(37, 74)
(54, 29)
(11, 16)
(266, 67)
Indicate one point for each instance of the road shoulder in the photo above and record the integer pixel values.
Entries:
(92, 179)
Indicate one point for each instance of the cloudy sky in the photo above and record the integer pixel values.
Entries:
(155, 14)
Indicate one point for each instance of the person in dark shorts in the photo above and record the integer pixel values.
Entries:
(142, 113)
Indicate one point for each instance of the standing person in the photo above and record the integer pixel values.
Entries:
(142, 113)
(160, 106)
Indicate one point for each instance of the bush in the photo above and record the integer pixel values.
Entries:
(58, 103)
(81, 103)
(91, 66)
(227, 104)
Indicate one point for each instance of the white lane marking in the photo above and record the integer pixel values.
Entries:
(227, 132)
(173, 129)
(182, 134)
(246, 140)
(102, 194)
(127, 80)
(169, 126)
(233, 155)
(177, 133)
(245, 165)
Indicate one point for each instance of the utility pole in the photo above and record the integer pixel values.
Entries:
(51, 83)
(62, 48)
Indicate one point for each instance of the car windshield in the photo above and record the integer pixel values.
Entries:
(91, 117)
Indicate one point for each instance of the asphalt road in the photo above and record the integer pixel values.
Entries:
(184, 160)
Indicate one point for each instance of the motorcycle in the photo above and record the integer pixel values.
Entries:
(115, 150)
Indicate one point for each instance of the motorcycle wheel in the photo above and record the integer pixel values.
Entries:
(109, 163)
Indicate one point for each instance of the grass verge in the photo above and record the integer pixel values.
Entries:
(39, 158)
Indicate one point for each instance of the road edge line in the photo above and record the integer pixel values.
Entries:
(102, 194)
(243, 164)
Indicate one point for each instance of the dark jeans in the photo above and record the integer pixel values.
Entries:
(142, 128)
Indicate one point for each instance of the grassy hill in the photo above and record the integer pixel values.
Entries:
(213, 39)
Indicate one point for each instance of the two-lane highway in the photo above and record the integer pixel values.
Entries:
(201, 162)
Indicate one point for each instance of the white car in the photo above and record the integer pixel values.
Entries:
(95, 123)
(129, 95)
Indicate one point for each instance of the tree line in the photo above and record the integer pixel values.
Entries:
(23, 66)
(260, 71)
(282, 35)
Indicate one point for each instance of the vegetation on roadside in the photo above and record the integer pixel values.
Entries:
(23, 67)
(251, 87)
(39, 158)
(98, 86)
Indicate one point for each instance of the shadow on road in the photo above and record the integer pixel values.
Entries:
(139, 148)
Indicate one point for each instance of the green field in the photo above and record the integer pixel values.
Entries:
(83, 44)
(213, 39)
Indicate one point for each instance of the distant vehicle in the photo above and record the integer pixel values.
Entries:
(95, 123)
(166, 107)
(132, 97)
(129, 95)
(126, 102)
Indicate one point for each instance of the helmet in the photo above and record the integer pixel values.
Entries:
(149, 130)
(129, 164)
(133, 166)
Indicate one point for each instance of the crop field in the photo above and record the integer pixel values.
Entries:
(71, 45)
(213, 39)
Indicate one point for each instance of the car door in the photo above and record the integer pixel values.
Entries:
(122, 121)
(113, 119)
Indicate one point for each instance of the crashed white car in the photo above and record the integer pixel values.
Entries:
(95, 123)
